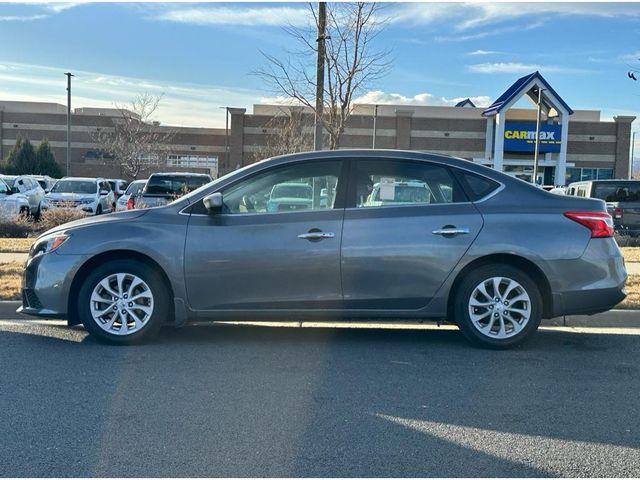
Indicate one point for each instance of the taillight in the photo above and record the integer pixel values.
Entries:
(617, 213)
(130, 203)
(600, 223)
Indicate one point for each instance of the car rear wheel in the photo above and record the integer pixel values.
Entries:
(497, 306)
(123, 302)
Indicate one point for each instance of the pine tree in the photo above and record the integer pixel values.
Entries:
(22, 158)
(46, 161)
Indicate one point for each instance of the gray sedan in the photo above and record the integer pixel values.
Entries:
(384, 234)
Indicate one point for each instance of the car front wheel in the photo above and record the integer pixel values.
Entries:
(123, 302)
(498, 306)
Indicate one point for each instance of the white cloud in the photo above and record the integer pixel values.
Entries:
(519, 68)
(383, 98)
(483, 52)
(244, 16)
(467, 16)
(182, 104)
(19, 18)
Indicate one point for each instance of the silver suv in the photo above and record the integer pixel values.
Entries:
(91, 195)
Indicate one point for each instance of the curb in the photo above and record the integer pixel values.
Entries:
(610, 319)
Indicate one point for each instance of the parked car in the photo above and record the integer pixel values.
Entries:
(12, 204)
(127, 201)
(91, 195)
(29, 187)
(621, 196)
(494, 255)
(162, 188)
(45, 181)
(118, 186)
(289, 196)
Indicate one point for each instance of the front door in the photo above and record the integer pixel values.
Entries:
(408, 225)
(275, 245)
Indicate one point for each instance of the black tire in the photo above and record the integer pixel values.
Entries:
(99, 210)
(161, 301)
(463, 296)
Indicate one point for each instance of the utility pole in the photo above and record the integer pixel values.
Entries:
(226, 142)
(322, 28)
(537, 144)
(375, 118)
(69, 75)
(633, 145)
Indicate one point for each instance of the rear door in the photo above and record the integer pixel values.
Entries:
(407, 226)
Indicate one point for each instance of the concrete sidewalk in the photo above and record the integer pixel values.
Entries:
(610, 319)
(13, 257)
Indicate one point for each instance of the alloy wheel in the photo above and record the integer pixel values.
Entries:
(121, 304)
(499, 307)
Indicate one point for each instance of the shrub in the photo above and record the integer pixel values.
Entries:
(16, 227)
(57, 216)
(625, 240)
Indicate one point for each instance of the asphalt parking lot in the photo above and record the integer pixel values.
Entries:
(259, 401)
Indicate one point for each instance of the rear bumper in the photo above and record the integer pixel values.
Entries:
(593, 283)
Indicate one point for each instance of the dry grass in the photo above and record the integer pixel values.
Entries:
(633, 293)
(10, 280)
(631, 254)
(15, 245)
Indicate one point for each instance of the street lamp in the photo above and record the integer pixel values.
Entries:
(375, 118)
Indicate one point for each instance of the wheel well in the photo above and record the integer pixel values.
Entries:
(102, 258)
(516, 261)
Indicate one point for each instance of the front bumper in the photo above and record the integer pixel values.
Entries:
(46, 283)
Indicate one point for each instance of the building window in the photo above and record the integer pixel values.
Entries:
(193, 161)
(582, 174)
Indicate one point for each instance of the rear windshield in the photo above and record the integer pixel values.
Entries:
(123, 185)
(174, 184)
(74, 186)
(617, 192)
(135, 188)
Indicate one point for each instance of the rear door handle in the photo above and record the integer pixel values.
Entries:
(316, 235)
(450, 231)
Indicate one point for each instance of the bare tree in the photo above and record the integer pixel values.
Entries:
(352, 63)
(136, 141)
(290, 131)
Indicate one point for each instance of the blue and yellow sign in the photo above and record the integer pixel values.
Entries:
(521, 137)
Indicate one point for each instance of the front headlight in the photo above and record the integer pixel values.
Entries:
(87, 201)
(47, 245)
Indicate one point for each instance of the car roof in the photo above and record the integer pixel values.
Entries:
(180, 174)
(84, 179)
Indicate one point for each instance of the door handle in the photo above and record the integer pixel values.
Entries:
(316, 235)
(450, 231)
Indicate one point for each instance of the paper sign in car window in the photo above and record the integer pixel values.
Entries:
(387, 188)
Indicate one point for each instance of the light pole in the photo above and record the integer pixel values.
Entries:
(375, 118)
(633, 145)
(537, 144)
(226, 140)
(69, 75)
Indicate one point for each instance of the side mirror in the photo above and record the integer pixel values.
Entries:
(46, 190)
(104, 192)
(213, 202)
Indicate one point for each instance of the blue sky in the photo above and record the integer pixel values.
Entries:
(201, 55)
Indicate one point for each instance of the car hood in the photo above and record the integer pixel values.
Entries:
(69, 196)
(14, 198)
(88, 221)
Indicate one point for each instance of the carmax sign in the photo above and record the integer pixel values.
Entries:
(521, 137)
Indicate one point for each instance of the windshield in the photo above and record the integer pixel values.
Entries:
(123, 185)
(617, 192)
(75, 186)
(174, 184)
(135, 188)
(10, 181)
(4, 189)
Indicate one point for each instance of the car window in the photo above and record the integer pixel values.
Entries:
(398, 182)
(134, 188)
(4, 188)
(74, 186)
(174, 184)
(305, 186)
(478, 186)
(617, 192)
